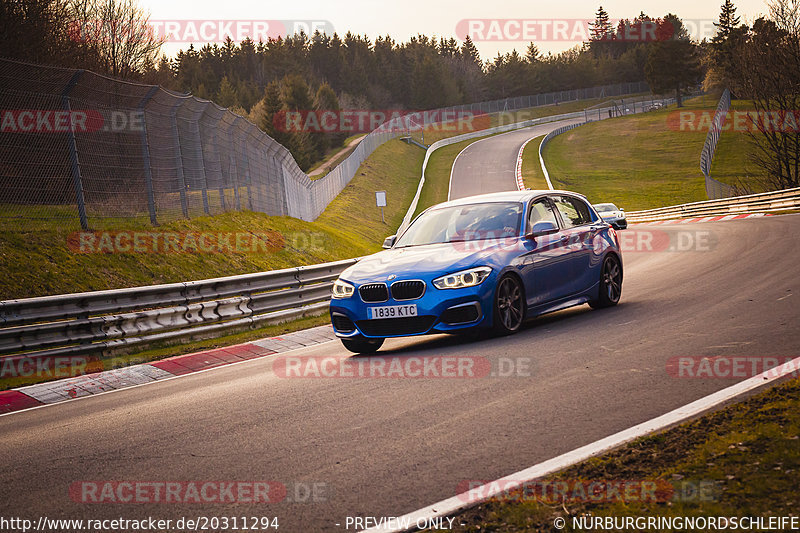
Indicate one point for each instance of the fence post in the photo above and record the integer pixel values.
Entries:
(179, 168)
(148, 171)
(232, 171)
(247, 181)
(233, 168)
(197, 118)
(73, 152)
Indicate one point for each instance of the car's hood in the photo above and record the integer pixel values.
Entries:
(425, 261)
(612, 214)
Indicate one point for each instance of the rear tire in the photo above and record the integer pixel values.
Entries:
(362, 344)
(509, 305)
(610, 289)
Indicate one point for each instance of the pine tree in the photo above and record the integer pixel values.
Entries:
(601, 34)
(295, 96)
(271, 113)
(722, 52)
(674, 64)
(226, 96)
(469, 52)
(326, 101)
(533, 55)
(601, 27)
(728, 20)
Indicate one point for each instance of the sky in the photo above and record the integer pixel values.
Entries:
(499, 25)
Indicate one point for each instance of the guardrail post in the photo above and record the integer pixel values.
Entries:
(148, 171)
(73, 152)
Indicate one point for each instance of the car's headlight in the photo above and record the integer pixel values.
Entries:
(465, 278)
(342, 289)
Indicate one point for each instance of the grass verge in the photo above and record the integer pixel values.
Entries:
(644, 161)
(740, 461)
(532, 174)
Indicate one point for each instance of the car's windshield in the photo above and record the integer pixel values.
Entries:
(605, 208)
(469, 222)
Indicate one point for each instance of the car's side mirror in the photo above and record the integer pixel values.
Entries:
(621, 210)
(544, 227)
(388, 242)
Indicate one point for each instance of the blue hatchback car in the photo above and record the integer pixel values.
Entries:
(482, 262)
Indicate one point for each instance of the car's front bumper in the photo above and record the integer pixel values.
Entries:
(438, 311)
(617, 223)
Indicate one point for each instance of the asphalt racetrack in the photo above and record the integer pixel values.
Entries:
(488, 165)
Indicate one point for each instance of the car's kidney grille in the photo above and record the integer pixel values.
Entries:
(374, 292)
(387, 327)
(407, 290)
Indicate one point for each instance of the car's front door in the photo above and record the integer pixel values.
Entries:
(545, 270)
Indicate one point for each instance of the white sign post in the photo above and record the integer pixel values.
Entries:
(380, 201)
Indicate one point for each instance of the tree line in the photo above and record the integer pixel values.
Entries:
(331, 72)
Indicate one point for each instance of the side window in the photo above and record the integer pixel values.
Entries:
(573, 211)
(541, 211)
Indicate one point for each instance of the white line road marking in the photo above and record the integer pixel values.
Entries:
(458, 503)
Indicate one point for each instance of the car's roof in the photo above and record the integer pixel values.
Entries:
(505, 196)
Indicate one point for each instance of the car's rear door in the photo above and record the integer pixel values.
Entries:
(580, 230)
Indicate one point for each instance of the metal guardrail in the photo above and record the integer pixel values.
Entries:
(547, 138)
(786, 200)
(104, 322)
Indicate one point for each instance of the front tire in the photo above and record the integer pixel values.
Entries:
(610, 288)
(362, 344)
(509, 305)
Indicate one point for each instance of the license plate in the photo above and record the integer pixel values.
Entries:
(391, 311)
